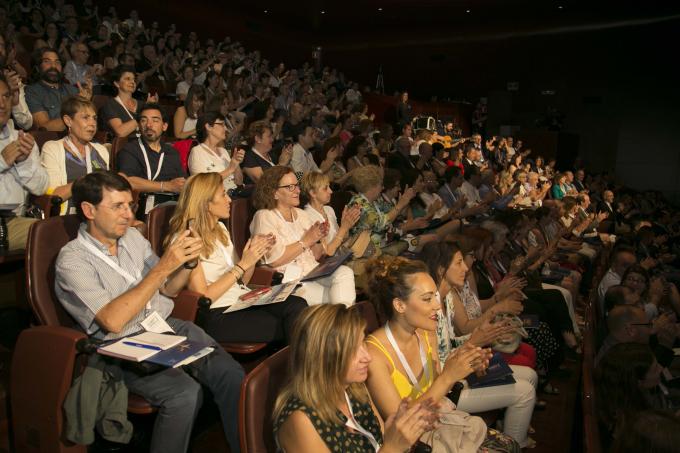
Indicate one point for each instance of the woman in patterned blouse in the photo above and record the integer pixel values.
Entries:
(325, 407)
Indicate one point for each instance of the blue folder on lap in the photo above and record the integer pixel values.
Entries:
(498, 373)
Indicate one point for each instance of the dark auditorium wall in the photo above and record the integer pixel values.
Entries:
(616, 85)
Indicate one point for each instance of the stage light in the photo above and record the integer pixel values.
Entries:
(467, 11)
(323, 12)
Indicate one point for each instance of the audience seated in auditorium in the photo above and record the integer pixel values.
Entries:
(447, 267)
(221, 275)
(328, 368)
(297, 248)
(113, 305)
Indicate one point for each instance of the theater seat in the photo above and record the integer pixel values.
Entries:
(41, 374)
(49, 204)
(116, 145)
(43, 136)
(45, 240)
(338, 202)
(258, 393)
(367, 311)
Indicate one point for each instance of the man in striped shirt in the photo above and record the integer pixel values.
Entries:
(110, 281)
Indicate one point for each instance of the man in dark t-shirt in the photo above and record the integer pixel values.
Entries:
(152, 167)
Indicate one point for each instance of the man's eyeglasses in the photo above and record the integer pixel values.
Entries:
(120, 208)
(646, 324)
(290, 187)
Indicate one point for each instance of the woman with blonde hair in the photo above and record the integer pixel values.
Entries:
(316, 186)
(325, 405)
(297, 247)
(221, 274)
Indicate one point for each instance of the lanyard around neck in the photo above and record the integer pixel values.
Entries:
(73, 150)
(268, 160)
(404, 363)
(148, 165)
(115, 266)
(120, 101)
(354, 424)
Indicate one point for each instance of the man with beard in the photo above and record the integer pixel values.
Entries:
(45, 96)
(151, 166)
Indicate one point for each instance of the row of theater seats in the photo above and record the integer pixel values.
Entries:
(591, 433)
(48, 356)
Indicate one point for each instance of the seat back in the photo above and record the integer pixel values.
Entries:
(338, 202)
(40, 377)
(242, 212)
(258, 394)
(41, 137)
(367, 311)
(45, 240)
(158, 221)
(116, 145)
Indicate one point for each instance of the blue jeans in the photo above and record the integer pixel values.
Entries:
(178, 395)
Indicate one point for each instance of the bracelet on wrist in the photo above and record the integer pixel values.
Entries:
(243, 271)
(304, 247)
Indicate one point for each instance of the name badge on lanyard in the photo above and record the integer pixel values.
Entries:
(354, 424)
(150, 199)
(404, 363)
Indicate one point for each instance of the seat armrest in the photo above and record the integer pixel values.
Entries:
(187, 305)
(265, 276)
(50, 204)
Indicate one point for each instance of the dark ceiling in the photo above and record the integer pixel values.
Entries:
(332, 20)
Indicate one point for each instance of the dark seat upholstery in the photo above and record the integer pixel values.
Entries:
(42, 136)
(241, 214)
(41, 374)
(258, 393)
(158, 223)
(116, 145)
(338, 202)
(367, 311)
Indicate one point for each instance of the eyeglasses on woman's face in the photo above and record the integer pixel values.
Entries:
(290, 187)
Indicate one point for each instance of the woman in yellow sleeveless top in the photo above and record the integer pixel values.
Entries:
(406, 366)
(405, 294)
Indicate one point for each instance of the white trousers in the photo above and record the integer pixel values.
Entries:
(518, 399)
(337, 288)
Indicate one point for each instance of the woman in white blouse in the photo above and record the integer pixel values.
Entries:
(297, 247)
(210, 156)
(316, 186)
(221, 275)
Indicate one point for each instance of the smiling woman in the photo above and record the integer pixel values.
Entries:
(73, 156)
(297, 247)
(221, 274)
